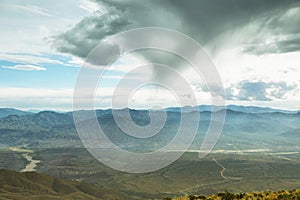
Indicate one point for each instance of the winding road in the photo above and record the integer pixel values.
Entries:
(226, 178)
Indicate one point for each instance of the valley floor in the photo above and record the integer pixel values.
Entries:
(218, 172)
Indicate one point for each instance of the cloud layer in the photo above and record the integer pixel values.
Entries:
(260, 91)
(25, 67)
(254, 44)
(210, 22)
(257, 27)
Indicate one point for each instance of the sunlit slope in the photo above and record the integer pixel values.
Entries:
(31, 185)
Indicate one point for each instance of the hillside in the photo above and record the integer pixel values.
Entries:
(31, 185)
(41, 121)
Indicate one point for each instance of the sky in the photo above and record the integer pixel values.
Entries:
(254, 45)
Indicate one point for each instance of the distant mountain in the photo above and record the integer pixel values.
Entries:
(292, 133)
(55, 129)
(244, 109)
(35, 122)
(4, 112)
(201, 108)
(256, 109)
(49, 129)
(31, 185)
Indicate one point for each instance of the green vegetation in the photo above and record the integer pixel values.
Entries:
(188, 175)
(12, 160)
(31, 185)
(279, 195)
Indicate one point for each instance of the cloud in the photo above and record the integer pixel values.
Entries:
(25, 67)
(279, 33)
(261, 91)
(89, 6)
(210, 22)
(31, 9)
(37, 59)
(21, 23)
(264, 34)
(27, 58)
(81, 39)
(31, 98)
(252, 27)
(61, 99)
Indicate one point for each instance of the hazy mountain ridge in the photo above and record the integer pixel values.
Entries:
(40, 121)
(237, 108)
(53, 129)
(292, 133)
(4, 112)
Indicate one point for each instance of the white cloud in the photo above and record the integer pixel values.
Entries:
(76, 61)
(61, 99)
(25, 67)
(26, 58)
(90, 6)
(21, 22)
(30, 98)
(235, 66)
(32, 9)
(16, 92)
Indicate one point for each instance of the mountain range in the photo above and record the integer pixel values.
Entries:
(4, 112)
(238, 108)
(253, 148)
(248, 127)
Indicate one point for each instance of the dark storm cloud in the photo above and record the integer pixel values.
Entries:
(259, 91)
(278, 34)
(206, 21)
(85, 35)
(290, 44)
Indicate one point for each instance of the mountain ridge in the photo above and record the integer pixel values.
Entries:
(32, 185)
(4, 112)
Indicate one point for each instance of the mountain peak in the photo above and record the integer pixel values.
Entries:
(4, 112)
